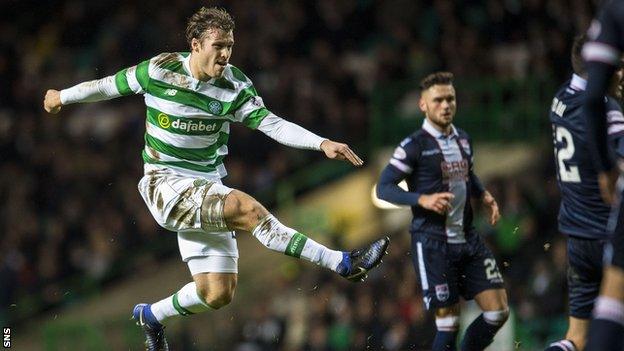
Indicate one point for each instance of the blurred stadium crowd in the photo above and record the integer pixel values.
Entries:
(69, 181)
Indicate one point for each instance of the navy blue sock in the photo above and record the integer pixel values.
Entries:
(444, 341)
(606, 331)
(479, 335)
(562, 345)
(605, 335)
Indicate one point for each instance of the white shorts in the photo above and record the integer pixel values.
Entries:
(175, 201)
(213, 264)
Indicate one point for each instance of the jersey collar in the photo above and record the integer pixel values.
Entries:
(429, 128)
(578, 82)
(186, 63)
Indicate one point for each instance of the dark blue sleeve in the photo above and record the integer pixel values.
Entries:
(602, 54)
(615, 128)
(388, 189)
(595, 110)
(402, 163)
(476, 187)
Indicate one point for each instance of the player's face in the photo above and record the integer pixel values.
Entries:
(438, 104)
(214, 51)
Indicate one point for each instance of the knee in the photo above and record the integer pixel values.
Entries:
(252, 211)
(451, 311)
(216, 298)
(496, 317)
(243, 210)
(448, 323)
(447, 318)
(220, 299)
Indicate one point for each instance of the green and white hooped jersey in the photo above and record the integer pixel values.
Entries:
(188, 120)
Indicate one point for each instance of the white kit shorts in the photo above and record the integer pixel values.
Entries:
(193, 207)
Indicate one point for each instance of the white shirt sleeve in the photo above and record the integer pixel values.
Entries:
(95, 90)
(289, 134)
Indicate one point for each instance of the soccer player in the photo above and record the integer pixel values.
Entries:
(191, 100)
(437, 163)
(583, 216)
(603, 56)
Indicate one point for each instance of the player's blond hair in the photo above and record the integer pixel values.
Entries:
(208, 18)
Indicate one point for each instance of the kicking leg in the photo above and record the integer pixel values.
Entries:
(243, 212)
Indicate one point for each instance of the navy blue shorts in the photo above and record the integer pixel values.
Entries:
(448, 271)
(584, 274)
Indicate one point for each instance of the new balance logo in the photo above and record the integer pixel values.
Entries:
(171, 92)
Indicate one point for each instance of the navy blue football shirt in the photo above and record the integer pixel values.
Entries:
(431, 162)
(582, 212)
(603, 55)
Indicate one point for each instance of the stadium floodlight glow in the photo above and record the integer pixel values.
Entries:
(385, 205)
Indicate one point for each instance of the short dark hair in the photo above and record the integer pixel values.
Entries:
(578, 63)
(442, 78)
(206, 18)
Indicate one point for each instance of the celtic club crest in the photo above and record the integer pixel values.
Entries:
(215, 107)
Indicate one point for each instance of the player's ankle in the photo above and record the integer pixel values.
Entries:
(344, 267)
(149, 317)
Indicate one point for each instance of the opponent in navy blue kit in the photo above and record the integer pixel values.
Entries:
(583, 215)
(436, 162)
(603, 56)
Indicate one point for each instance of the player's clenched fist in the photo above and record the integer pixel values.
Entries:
(52, 101)
(437, 202)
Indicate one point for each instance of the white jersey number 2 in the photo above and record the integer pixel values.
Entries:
(567, 173)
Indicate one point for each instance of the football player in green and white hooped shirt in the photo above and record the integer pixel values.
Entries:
(191, 100)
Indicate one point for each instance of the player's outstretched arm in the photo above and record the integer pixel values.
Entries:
(125, 82)
(340, 151)
(52, 101)
(293, 135)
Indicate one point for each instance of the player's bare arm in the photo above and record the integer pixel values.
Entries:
(490, 204)
(340, 151)
(52, 101)
(439, 203)
(606, 182)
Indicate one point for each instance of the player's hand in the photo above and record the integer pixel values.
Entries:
(606, 182)
(52, 101)
(439, 203)
(339, 151)
(491, 206)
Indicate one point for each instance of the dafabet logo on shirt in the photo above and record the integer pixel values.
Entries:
(185, 125)
(164, 120)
